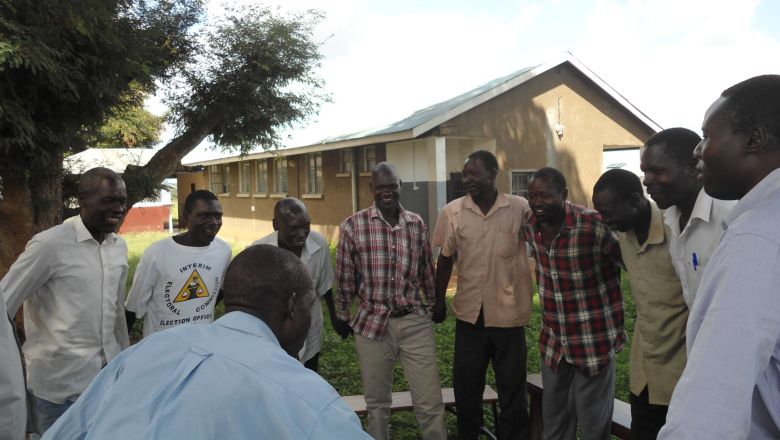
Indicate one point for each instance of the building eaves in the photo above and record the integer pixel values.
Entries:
(423, 120)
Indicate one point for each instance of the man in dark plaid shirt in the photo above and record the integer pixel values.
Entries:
(578, 274)
(384, 259)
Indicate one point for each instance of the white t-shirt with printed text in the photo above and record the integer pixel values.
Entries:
(176, 284)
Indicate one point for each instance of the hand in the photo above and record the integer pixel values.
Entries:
(342, 328)
(439, 312)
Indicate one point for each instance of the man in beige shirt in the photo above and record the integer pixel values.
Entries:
(658, 348)
(493, 300)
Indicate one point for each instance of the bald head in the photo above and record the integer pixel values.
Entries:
(289, 206)
(91, 180)
(384, 168)
(262, 278)
(273, 285)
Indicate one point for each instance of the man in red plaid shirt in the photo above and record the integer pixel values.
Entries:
(384, 259)
(578, 274)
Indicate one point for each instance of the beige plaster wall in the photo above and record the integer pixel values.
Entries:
(522, 123)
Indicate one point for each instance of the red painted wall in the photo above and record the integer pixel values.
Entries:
(148, 218)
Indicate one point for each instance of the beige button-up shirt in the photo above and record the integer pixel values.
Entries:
(658, 348)
(492, 261)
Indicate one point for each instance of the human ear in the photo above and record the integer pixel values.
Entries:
(290, 312)
(757, 140)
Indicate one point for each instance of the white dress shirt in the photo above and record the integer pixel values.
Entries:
(316, 257)
(730, 388)
(699, 238)
(13, 409)
(73, 288)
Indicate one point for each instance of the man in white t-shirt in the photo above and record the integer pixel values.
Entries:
(292, 231)
(179, 278)
(694, 218)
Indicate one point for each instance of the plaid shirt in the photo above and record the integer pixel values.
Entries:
(384, 266)
(579, 286)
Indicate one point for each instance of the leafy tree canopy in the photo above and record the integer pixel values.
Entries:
(69, 67)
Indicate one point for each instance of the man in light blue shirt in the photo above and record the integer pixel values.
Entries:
(236, 378)
(730, 388)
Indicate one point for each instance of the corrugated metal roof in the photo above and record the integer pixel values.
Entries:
(115, 159)
(426, 114)
(423, 120)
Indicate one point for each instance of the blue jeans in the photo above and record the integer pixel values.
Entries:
(49, 412)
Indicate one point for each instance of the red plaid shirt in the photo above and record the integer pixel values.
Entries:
(384, 266)
(579, 286)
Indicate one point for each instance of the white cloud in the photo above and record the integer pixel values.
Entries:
(673, 58)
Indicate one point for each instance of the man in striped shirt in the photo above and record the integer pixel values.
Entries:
(384, 259)
(578, 273)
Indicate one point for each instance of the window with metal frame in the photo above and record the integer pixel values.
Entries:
(280, 175)
(314, 173)
(261, 176)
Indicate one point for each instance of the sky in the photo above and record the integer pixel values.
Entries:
(670, 58)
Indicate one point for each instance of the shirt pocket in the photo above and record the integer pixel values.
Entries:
(507, 244)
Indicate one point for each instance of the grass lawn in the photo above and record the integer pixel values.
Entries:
(339, 366)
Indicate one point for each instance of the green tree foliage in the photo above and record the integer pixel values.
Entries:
(65, 64)
(129, 124)
(67, 67)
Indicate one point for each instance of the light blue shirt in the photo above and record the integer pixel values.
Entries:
(226, 380)
(730, 388)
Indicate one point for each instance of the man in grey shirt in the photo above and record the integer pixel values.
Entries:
(730, 388)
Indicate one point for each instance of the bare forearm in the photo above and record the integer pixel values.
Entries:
(443, 275)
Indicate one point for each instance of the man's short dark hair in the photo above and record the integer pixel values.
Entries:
(198, 194)
(262, 278)
(552, 175)
(622, 184)
(90, 181)
(678, 143)
(755, 101)
(486, 158)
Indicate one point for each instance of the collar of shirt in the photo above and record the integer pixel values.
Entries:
(83, 234)
(502, 201)
(702, 210)
(246, 323)
(759, 194)
(655, 235)
(403, 216)
(569, 221)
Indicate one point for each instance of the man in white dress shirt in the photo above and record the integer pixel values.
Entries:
(72, 280)
(730, 388)
(292, 232)
(694, 218)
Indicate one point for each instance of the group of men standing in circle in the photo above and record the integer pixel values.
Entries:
(705, 353)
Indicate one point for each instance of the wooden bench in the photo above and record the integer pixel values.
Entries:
(402, 401)
(621, 415)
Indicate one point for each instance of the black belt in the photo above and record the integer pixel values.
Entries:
(401, 311)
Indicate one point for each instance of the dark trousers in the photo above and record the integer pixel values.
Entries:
(646, 419)
(475, 347)
(313, 363)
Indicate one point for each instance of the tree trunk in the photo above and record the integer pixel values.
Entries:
(29, 207)
(142, 181)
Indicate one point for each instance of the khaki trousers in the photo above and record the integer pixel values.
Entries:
(409, 339)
